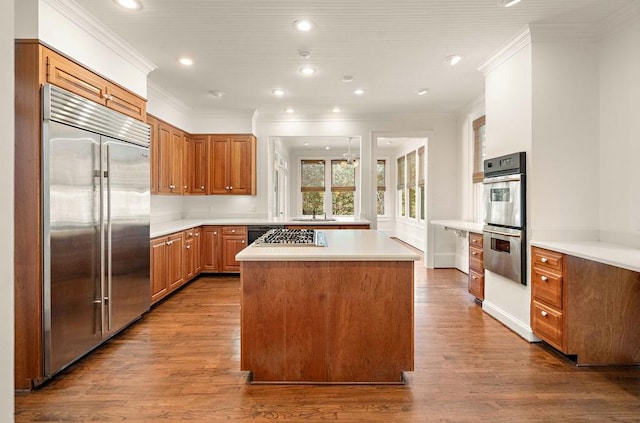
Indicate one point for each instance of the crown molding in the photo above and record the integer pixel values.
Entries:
(508, 50)
(627, 14)
(80, 17)
(155, 91)
(541, 32)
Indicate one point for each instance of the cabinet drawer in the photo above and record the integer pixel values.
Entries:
(550, 259)
(548, 323)
(475, 239)
(234, 230)
(476, 284)
(546, 287)
(476, 259)
(190, 233)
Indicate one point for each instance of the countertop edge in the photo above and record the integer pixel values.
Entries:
(602, 252)
(464, 225)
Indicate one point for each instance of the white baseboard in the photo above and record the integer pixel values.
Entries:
(509, 321)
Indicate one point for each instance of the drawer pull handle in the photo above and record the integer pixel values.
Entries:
(544, 278)
(475, 241)
(544, 313)
(474, 277)
(473, 253)
(544, 259)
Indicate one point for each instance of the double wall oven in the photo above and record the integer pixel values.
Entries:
(505, 216)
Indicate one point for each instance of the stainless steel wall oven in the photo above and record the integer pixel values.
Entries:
(505, 216)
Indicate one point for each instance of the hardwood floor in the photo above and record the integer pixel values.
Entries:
(181, 361)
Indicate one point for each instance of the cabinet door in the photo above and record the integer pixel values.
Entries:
(197, 250)
(158, 257)
(197, 165)
(241, 165)
(175, 261)
(232, 245)
(153, 123)
(211, 250)
(125, 102)
(164, 159)
(72, 77)
(177, 150)
(218, 163)
(189, 260)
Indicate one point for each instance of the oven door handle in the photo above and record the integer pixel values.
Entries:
(501, 233)
(496, 180)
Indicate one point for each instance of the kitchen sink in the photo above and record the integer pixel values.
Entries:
(311, 219)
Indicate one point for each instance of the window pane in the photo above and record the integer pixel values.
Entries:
(381, 173)
(478, 148)
(413, 203)
(422, 202)
(312, 174)
(401, 202)
(312, 201)
(421, 166)
(342, 175)
(342, 203)
(380, 203)
(411, 169)
(400, 180)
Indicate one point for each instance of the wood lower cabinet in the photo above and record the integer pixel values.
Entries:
(175, 261)
(585, 309)
(211, 248)
(234, 240)
(192, 253)
(476, 266)
(167, 270)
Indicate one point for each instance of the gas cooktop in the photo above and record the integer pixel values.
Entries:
(292, 238)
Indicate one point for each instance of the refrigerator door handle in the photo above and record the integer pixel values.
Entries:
(109, 227)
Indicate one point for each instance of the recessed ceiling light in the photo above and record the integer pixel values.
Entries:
(307, 70)
(305, 54)
(278, 92)
(327, 148)
(508, 3)
(306, 143)
(423, 91)
(289, 110)
(359, 91)
(216, 93)
(303, 25)
(129, 4)
(186, 61)
(336, 110)
(453, 60)
(347, 78)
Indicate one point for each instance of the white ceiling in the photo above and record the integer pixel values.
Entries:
(246, 48)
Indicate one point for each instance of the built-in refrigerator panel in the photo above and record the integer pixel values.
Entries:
(126, 208)
(96, 207)
(72, 259)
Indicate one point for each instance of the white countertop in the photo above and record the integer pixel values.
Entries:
(602, 252)
(342, 245)
(463, 225)
(165, 228)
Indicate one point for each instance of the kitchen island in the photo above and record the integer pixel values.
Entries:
(336, 314)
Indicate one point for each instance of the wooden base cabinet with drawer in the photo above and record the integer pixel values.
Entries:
(220, 246)
(476, 266)
(585, 309)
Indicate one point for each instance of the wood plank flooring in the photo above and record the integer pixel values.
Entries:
(181, 362)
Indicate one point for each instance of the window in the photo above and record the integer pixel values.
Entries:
(312, 187)
(400, 186)
(411, 184)
(478, 149)
(421, 181)
(343, 187)
(381, 177)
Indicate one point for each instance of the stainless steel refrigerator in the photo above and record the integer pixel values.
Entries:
(96, 207)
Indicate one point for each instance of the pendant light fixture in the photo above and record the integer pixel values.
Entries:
(350, 159)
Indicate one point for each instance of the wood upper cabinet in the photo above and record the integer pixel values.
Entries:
(168, 157)
(196, 164)
(153, 124)
(232, 164)
(71, 76)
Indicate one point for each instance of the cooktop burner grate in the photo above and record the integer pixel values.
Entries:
(292, 237)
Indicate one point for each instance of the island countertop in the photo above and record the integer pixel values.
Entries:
(342, 245)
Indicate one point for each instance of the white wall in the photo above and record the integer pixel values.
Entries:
(509, 130)
(6, 212)
(619, 139)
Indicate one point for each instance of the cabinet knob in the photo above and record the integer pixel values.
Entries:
(474, 277)
(544, 259)
(188, 247)
(168, 242)
(231, 188)
(172, 186)
(544, 278)
(233, 231)
(202, 187)
(197, 233)
(473, 253)
(243, 241)
(190, 233)
(475, 241)
(186, 187)
(215, 233)
(544, 313)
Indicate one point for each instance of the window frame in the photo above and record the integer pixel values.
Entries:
(479, 138)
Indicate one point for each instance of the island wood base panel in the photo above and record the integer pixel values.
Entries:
(326, 322)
